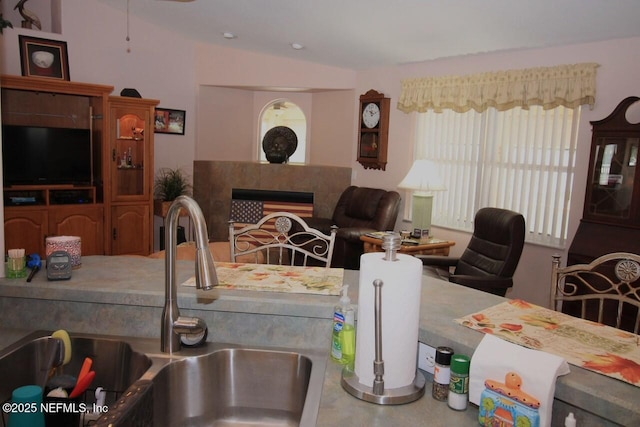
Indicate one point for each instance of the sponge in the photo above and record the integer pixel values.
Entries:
(63, 335)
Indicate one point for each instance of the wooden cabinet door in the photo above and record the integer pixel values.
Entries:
(130, 230)
(26, 229)
(84, 221)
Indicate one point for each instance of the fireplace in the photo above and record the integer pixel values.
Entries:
(248, 206)
(214, 183)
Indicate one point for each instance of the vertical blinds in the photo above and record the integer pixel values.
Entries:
(516, 159)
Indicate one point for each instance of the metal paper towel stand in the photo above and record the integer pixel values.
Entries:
(376, 393)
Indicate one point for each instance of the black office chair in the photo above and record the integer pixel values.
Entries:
(490, 259)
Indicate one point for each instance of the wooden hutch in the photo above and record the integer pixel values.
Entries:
(611, 215)
(111, 217)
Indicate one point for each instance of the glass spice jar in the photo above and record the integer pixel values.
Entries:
(459, 384)
(441, 373)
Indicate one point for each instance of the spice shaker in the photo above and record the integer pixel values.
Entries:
(441, 373)
(459, 382)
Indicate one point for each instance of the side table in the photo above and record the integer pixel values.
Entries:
(432, 247)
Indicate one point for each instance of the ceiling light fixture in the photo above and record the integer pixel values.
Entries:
(297, 46)
(228, 35)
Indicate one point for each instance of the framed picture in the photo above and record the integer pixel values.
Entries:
(44, 58)
(169, 121)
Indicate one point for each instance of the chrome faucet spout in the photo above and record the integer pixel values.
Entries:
(173, 325)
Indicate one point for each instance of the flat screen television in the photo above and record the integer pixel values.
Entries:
(46, 156)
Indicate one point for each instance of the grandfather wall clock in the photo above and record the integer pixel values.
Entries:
(373, 134)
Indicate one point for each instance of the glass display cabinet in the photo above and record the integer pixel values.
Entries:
(612, 195)
(129, 156)
(130, 162)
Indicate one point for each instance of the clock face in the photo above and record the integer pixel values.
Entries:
(371, 115)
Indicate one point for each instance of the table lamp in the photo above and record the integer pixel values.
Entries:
(423, 178)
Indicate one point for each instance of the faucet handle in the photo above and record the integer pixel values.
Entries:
(193, 331)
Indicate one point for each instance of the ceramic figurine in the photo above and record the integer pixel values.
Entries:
(30, 18)
(505, 404)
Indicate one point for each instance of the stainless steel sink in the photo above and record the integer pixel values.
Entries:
(212, 385)
(27, 361)
(239, 387)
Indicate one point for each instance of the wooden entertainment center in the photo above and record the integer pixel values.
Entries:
(113, 214)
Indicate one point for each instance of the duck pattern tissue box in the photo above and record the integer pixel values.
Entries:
(505, 404)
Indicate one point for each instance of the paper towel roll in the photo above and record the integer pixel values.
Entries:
(401, 289)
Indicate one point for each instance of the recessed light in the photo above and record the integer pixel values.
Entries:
(297, 46)
(228, 35)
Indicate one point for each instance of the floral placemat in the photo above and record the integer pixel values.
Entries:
(593, 346)
(277, 278)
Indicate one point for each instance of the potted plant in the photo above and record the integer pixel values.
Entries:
(168, 185)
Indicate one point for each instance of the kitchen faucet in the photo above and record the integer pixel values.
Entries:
(174, 325)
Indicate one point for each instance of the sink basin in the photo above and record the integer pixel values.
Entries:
(216, 384)
(239, 387)
(116, 364)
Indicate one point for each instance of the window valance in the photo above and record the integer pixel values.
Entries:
(566, 85)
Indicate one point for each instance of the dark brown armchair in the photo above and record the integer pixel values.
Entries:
(359, 210)
(491, 258)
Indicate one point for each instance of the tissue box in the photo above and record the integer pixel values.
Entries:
(71, 244)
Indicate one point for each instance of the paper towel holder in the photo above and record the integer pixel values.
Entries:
(390, 396)
(376, 393)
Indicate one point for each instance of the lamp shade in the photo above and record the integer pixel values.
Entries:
(423, 177)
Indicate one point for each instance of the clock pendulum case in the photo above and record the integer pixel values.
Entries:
(373, 130)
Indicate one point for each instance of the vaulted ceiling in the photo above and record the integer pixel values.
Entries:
(361, 34)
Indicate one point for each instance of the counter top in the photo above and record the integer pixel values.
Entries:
(124, 295)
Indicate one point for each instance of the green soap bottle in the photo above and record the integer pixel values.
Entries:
(343, 337)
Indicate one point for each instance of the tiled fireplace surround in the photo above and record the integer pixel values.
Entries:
(214, 180)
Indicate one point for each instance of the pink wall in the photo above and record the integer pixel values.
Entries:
(332, 125)
(228, 123)
(223, 66)
(168, 67)
(219, 135)
(616, 80)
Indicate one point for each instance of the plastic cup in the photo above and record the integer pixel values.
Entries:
(16, 268)
(26, 411)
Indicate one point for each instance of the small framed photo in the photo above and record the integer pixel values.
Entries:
(44, 58)
(169, 121)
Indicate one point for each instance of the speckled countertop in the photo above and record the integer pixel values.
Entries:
(125, 295)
